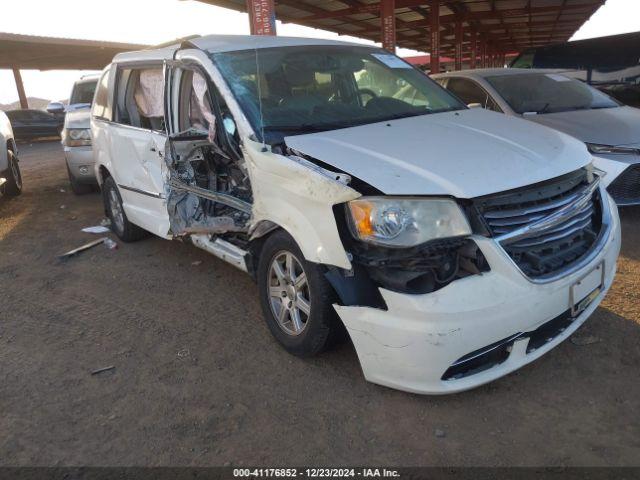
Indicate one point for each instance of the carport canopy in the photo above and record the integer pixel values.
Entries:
(478, 32)
(47, 53)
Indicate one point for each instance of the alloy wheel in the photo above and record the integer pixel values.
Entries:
(289, 294)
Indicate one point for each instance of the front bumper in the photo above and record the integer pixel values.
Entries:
(411, 345)
(623, 177)
(81, 164)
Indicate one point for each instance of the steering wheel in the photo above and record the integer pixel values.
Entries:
(367, 91)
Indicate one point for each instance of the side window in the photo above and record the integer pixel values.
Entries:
(39, 116)
(524, 61)
(101, 103)
(492, 105)
(470, 92)
(140, 98)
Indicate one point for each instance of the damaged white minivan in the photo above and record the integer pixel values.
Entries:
(454, 244)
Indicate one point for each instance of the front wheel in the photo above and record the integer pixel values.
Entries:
(296, 298)
(13, 185)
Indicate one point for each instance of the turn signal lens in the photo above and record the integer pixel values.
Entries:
(361, 213)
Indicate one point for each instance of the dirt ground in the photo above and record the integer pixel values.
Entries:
(199, 381)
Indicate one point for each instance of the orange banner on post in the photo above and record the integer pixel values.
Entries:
(388, 24)
(262, 17)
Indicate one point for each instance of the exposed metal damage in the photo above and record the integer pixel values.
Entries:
(208, 192)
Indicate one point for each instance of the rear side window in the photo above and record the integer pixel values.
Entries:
(470, 92)
(140, 98)
(101, 103)
(524, 61)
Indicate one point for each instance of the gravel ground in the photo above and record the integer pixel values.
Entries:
(199, 381)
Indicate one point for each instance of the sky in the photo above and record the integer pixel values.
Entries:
(157, 21)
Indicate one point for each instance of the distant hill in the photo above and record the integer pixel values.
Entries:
(34, 102)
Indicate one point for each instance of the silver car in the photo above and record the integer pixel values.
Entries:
(610, 130)
(76, 136)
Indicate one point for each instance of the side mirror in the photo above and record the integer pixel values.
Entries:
(474, 105)
(229, 125)
(55, 108)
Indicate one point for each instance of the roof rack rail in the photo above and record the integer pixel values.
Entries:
(177, 41)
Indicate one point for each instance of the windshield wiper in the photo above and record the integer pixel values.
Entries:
(544, 109)
(306, 127)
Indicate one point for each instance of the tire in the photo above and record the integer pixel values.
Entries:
(120, 224)
(13, 184)
(77, 187)
(322, 325)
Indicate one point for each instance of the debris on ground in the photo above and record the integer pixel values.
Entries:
(440, 433)
(105, 222)
(584, 340)
(110, 244)
(84, 247)
(183, 353)
(62, 190)
(96, 229)
(62, 207)
(196, 263)
(104, 369)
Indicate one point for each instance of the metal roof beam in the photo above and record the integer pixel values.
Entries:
(374, 8)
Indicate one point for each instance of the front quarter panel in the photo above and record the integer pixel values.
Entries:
(100, 147)
(301, 201)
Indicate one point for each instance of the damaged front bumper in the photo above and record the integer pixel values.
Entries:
(497, 322)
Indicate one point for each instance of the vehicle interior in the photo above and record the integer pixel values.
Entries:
(293, 90)
(210, 187)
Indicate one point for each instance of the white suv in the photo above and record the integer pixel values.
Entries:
(10, 176)
(454, 244)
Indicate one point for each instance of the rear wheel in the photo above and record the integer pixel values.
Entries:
(120, 224)
(296, 298)
(13, 185)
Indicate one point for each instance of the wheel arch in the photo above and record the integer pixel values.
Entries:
(103, 174)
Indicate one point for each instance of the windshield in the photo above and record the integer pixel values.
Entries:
(294, 90)
(548, 93)
(83, 92)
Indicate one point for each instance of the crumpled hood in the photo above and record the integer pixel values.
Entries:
(466, 154)
(78, 119)
(606, 126)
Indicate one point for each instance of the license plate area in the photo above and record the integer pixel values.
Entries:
(586, 290)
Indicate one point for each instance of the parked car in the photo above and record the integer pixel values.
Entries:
(456, 245)
(76, 136)
(611, 64)
(30, 124)
(80, 98)
(10, 176)
(610, 130)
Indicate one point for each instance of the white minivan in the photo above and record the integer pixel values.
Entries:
(454, 244)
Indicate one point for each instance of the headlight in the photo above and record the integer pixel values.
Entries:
(405, 222)
(76, 137)
(608, 149)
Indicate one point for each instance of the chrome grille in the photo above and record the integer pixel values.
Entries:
(548, 227)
